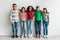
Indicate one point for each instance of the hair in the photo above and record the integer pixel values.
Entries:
(45, 9)
(22, 9)
(37, 6)
(14, 4)
(29, 7)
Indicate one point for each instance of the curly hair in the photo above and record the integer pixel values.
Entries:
(29, 7)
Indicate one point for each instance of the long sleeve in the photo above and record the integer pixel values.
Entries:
(42, 15)
(48, 18)
(34, 14)
(11, 16)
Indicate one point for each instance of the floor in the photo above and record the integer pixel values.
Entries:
(49, 38)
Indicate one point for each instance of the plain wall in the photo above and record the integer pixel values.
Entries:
(53, 7)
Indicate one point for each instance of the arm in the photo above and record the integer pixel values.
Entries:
(48, 18)
(11, 16)
(42, 15)
(34, 13)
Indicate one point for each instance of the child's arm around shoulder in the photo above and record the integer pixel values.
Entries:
(34, 13)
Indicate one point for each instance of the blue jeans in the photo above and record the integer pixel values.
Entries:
(23, 28)
(45, 27)
(37, 27)
(15, 28)
(29, 30)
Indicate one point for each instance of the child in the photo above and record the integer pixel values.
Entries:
(45, 22)
(23, 17)
(38, 18)
(30, 11)
(14, 20)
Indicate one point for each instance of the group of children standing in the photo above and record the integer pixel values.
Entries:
(25, 18)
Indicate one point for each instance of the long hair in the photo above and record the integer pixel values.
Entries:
(45, 9)
(29, 7)
(22, 9)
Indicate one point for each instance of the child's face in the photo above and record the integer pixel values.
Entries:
(38, 9)
(23, 10)
(30, 9)
(14, 7)
(44, 11)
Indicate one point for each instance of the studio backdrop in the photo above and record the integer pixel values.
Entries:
(53, 7)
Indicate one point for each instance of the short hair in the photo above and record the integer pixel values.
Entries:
(14, 4)
(37, 6)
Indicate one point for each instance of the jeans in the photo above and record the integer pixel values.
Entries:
(15, 28)
(29, 29)
(45, 27)
(23, 28)
(37, 27)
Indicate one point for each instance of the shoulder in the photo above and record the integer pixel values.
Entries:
(17, 10)
(40, 10)
(11, 10)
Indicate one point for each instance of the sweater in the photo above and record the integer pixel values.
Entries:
(30, 15)
(45, 16)
(38, 15)
(23, 16)
(14, 15)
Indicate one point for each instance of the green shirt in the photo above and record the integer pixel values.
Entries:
(38, 15)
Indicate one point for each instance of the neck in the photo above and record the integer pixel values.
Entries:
(14, 9)
(23, 12)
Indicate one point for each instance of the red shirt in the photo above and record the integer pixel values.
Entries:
(30, 15)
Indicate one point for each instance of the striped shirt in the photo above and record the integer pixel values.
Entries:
(14, 15)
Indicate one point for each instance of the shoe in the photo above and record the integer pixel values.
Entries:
(16, 36)
(22, 36)
(28, 35)
(36, 36)
(39, 36)
(12, 36)
(25, 36)
(31, 35)
(45, 36)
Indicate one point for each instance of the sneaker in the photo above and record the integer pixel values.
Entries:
(31, 35)
(25, 36)
(22, 36)
(45, 36)
(38, 36)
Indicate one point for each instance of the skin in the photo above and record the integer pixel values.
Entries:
(44, 11)
(37, 9)
(14, 7)
(23, 10)
(30, 8)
